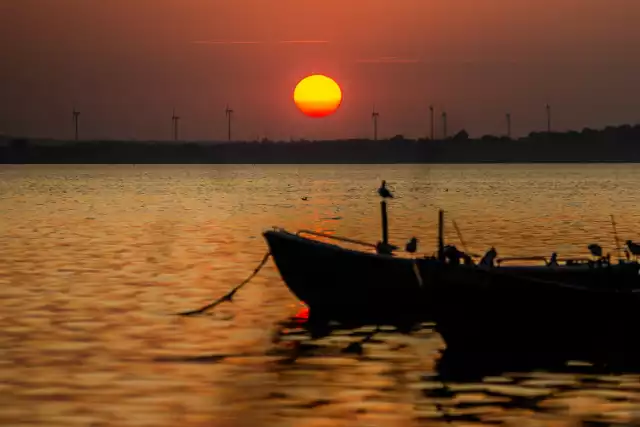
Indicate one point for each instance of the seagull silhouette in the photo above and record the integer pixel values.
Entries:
(634, 248)
(595, 249)
(412, 245)
(384, 192)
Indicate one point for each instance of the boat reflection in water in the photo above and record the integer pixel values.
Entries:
(542, 386)
(490, 387)
(455, 365)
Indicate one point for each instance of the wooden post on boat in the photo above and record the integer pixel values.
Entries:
(385, 223)
(441, 235)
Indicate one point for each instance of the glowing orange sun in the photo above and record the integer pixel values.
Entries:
(317, 96)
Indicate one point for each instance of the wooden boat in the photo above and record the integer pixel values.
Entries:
(579, 306)
(566, 309)
(348, 286)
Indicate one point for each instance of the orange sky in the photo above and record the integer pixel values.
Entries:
(126, 63)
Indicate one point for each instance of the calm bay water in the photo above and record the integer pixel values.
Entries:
(95, 259)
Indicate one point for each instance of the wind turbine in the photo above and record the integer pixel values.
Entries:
(175, 119)
(508, 125)
(228, 112)
(444, 124)
(548, 107)
(76, 115)
(433, 130)
(374, 117)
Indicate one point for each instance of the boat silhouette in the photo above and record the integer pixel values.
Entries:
(575, 306)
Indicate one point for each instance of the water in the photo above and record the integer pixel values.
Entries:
(95, 259)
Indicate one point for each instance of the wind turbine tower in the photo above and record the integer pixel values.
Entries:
(444, 125)
(175, 119)
(433, 130)
(228, 112)
(374, 117)
(509, 125)
(76, 115)
(548, 107)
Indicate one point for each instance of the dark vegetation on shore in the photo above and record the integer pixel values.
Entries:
(609, 145)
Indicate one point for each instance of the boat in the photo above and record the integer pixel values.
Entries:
(351, 287)
(573, 305)
(576, 306)
(573, 310)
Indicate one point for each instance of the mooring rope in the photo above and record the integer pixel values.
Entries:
(229, 296)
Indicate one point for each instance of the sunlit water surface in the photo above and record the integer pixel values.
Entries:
(94, 261)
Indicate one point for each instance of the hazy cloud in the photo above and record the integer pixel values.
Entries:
(388, 60)
(241, 42)
(225, 42)
(304, 42)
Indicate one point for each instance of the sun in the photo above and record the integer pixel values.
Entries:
(317, 95)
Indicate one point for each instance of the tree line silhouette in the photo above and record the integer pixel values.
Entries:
(611, 144)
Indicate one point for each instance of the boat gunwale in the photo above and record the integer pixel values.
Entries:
(333, 246)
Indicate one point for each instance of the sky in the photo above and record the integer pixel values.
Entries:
(125, 64)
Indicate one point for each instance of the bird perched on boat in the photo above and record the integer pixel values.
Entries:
(384, 192)
(412, 245)
(452, 254)
(489, 257)
(634, 248)
(595, 249)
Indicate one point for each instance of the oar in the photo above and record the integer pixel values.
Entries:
(229, 296)
(464, 245)
(455, 225)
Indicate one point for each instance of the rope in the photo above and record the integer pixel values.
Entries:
(455, 225)
(229, 296)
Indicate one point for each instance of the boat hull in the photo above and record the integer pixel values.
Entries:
(346, 286)
(495, 310)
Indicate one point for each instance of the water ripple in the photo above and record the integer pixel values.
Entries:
(95, 259)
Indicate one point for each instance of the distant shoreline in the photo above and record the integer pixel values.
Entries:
(609, 145)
